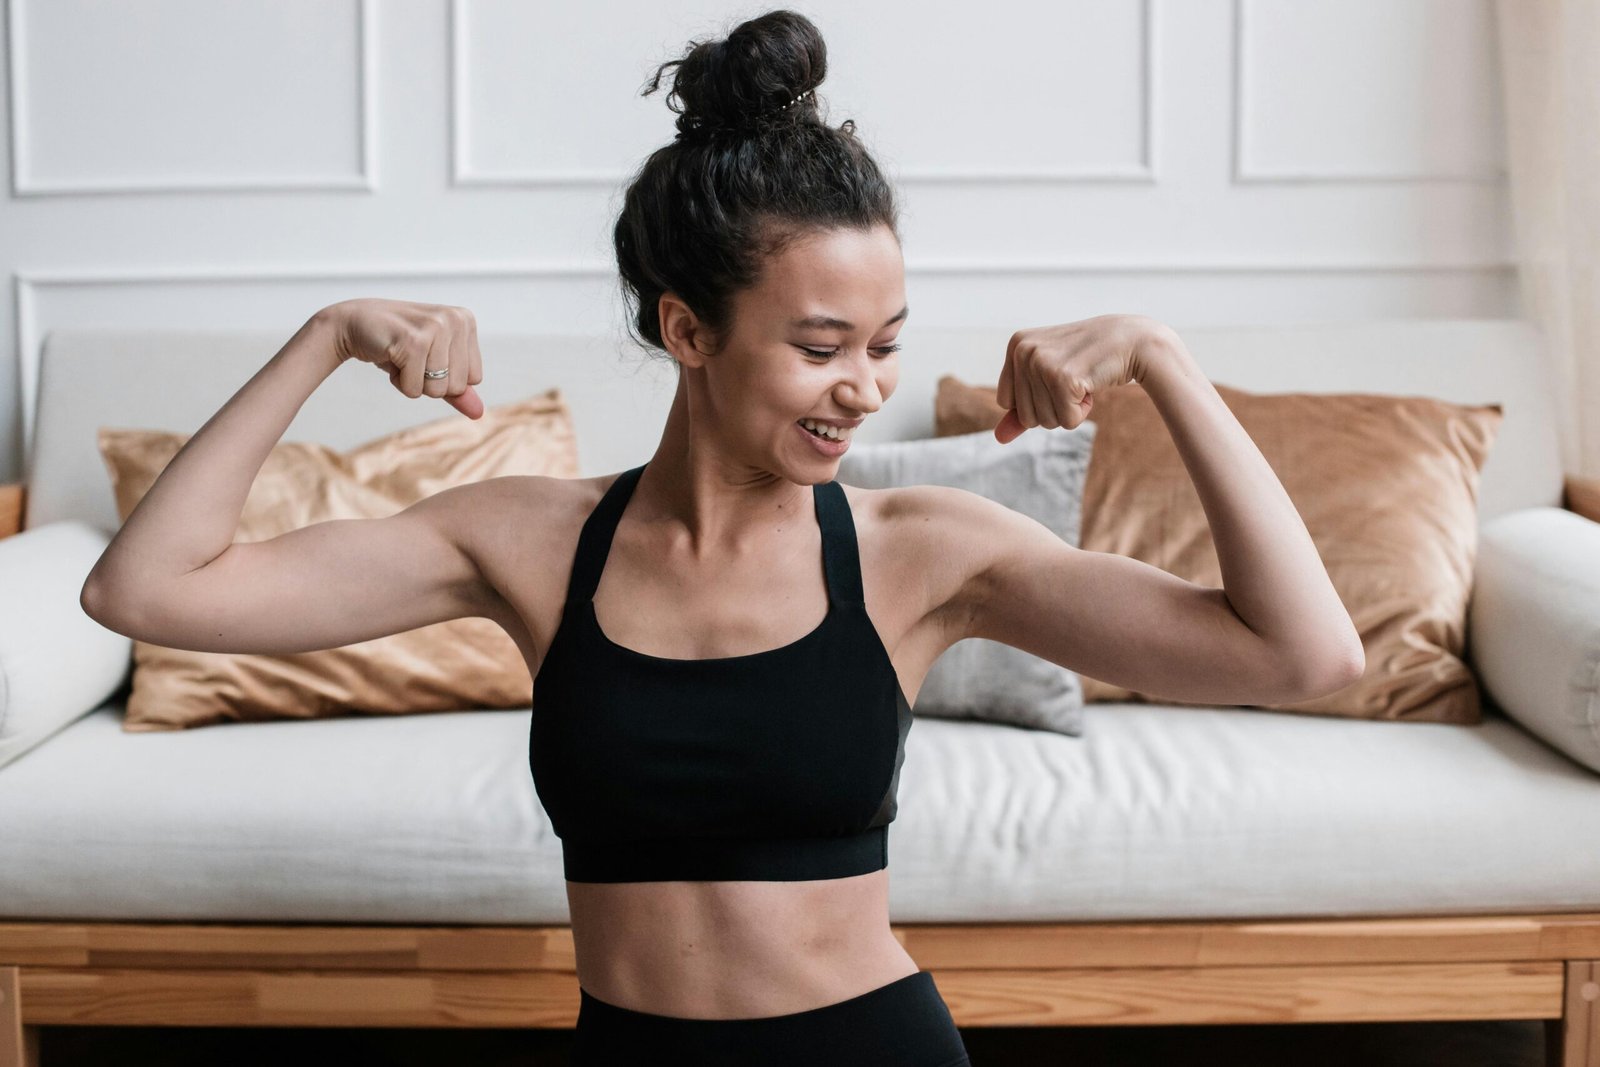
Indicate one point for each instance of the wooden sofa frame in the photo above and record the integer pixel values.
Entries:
(1317, 969)
(1536, 966)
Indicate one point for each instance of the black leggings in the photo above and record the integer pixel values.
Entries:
(902, 1024)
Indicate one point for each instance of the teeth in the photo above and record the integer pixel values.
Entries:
(838, 434)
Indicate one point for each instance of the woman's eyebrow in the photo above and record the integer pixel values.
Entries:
(827, 322)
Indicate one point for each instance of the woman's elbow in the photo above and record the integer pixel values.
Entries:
(1327, 672)
(113, 609)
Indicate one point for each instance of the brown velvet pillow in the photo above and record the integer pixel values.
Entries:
(460, 664)
(1386, 485)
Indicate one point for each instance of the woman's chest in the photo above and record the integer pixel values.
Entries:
(667, 609)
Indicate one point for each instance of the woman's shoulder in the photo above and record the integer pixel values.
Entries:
(914, 505)
(919, 543)
(510, 513)
(521, 493)
(921, 524)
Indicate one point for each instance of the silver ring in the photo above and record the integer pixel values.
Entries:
(435, 375)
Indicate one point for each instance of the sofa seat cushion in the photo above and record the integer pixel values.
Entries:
(419, 817)
(1156, 812)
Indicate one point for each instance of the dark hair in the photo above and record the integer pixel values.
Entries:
(750, 170)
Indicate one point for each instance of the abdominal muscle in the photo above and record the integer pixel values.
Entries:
(734, 949)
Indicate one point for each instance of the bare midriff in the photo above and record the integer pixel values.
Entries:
(734, 950)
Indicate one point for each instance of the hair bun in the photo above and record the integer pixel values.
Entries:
(762, 74)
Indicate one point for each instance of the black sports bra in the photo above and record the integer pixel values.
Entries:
(780, 765)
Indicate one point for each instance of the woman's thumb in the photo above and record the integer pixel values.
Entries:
(469, 403)
(1009, 428)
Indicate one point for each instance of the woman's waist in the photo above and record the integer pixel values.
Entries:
(734, 949)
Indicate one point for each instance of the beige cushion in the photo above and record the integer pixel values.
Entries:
(456, 665)
(1387, 488)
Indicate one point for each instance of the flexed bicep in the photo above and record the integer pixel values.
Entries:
(320, 586)
(1112, 617)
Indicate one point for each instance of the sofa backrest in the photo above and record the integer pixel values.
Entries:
(619, 396)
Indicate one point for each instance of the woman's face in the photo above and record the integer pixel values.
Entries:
(813, 339)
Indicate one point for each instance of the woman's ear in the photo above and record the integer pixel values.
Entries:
(682, 332)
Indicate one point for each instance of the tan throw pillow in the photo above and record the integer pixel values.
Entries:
(461, 664)
(960, 408)
(1387, 487)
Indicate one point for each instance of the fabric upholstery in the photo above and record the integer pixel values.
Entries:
(56, 663)
(1039, 475)
(1536, 625)
(461, 663)
(1387, 488)
(1154, 813)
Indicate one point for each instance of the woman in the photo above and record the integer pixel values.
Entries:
(725, 641)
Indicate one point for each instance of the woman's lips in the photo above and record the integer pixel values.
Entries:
(826, 445)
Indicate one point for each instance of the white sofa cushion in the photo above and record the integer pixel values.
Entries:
(1154, 813)
(1534, 629)
(56, 663)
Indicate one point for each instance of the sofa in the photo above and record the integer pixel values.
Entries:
(1172, 865)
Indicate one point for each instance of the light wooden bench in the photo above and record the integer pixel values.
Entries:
(1541, 966)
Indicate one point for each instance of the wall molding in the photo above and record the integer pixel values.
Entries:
(26, 285)
(1246, 172)
(24, 185)
(1141, 172)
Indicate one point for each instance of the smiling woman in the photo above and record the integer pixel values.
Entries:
(778, 367)
(720, 756)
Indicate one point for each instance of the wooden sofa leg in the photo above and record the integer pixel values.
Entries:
(1574, 1039)
(19, 1044)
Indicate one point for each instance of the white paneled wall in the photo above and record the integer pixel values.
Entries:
(243, 163)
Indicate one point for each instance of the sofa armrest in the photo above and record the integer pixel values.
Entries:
(12, 497)
(1534, 625)
(1582, 495)
(56, 663)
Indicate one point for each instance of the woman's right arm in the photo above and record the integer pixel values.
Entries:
(174, 576)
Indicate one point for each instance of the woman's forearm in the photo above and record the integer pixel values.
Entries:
(191, 514)
(1271, 571)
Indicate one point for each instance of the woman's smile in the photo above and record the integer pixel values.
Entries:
(826, 445)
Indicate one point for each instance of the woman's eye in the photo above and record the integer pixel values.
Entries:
(826, 352)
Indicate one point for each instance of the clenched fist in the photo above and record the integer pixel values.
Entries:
(407, 338)
(1051, 373)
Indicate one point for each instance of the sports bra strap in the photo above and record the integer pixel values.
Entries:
(841, 558)
(841, 561)
(594, 542)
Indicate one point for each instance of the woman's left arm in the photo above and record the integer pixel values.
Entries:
(1271, 571)
(1277, 633)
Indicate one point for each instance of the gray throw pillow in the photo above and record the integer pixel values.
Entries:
(1039, 474)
